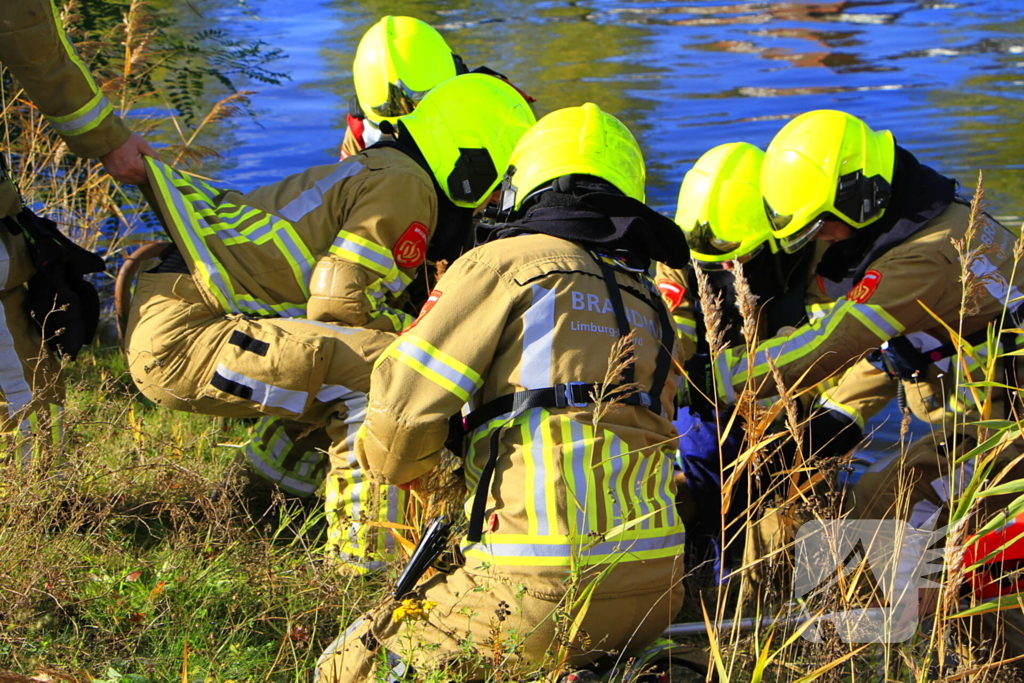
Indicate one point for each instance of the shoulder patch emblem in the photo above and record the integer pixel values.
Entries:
(411, 247)
(672, 293)
(863, 290)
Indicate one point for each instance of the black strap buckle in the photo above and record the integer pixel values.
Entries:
(576, 394)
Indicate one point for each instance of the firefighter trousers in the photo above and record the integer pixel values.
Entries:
(301, 375)
(294, 455)
(462, 626)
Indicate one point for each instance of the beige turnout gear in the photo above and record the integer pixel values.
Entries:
(35, 48)
(673, 288)
(568, 499)
(312, 254)
(923, 269)
(329, 244)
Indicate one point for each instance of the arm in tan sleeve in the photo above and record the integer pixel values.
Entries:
(859, 394)
(350, 144)
(393, 215)
(35, 48)
(851, 327)
(432, 370)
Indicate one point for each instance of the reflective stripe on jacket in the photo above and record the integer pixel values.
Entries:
(324, 244)
(900, 293)
(529, 312)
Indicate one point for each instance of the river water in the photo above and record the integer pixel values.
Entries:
(945, 77)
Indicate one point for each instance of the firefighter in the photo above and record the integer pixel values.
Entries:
(563, 495)
(721, 213)
(276, 302)
(35, 48)
(889, 221)
(722, 217)
(398, 60)
(893, 226)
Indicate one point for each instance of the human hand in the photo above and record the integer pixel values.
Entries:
(124, 164)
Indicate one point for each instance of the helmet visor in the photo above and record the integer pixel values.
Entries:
(401, 101)
(707, 246)
(728, 264)
(799, 239)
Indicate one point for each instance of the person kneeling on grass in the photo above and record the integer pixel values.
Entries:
(573, 552)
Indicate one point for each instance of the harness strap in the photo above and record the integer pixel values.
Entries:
(615, 296)
(664, 362)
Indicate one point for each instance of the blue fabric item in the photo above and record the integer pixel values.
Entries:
(701, 461)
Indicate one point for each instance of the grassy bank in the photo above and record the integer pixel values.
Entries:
(135, 559)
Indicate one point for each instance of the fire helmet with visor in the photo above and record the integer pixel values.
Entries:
(825, 165)
(720, 210)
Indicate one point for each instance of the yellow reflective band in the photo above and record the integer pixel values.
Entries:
(83, 120)
(364, 252)
(878, 320)
(437, 366)
(818, 311)
(605, 463)
(533, 468)
(849, 411)
(564, 551)
(300, 262)
(69, 49)
(805, 341)
(686, 327)
(180, 216)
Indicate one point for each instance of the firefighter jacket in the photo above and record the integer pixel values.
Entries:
(530, 312)
(911, 289)
(332, 243)
(786, 291)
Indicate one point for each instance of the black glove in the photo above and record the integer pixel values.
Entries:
(831, 434)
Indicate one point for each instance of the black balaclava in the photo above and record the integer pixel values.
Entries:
(593, 213)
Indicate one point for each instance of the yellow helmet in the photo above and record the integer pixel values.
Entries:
(575, 140)
(397, 62)
(466, 129)
(720, 209)
(825, 165)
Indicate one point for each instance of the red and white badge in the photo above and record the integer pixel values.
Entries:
(672, 292)
(411, 248)
(863, 290)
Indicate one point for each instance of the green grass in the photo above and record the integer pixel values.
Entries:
(134, 558)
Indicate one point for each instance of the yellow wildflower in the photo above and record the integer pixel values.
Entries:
(412, 608)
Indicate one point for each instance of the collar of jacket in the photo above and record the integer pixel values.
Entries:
(453, 234)
(919, 194)
(600, 219)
